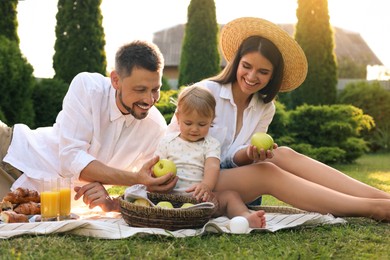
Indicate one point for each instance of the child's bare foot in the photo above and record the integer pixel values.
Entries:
(256, 219)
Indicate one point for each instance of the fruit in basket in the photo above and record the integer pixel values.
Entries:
(142, 202)
(164, 166)
(165, 205)
(262, 141)
(186, 205)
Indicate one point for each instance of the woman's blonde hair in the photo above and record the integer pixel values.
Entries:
(196, 98)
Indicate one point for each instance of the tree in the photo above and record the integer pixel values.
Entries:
(16, 83)
(199, 56)
(47, 99)
(315, 35)
(8, 21)
(16, 79)
(80, 39)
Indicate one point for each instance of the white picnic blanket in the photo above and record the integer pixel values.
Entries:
(112, 226)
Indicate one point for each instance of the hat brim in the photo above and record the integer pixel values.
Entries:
(295, 62)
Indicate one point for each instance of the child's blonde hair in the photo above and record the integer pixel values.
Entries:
(196, 98)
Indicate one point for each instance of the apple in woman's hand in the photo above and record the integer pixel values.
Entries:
(164, 166)
(262, 141)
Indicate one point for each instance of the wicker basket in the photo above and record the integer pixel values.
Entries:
(169, 219)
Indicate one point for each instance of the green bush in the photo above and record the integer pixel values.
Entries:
(16, 83)
(2, 116)
(333, 128)
(165, 84)
(355, 147)
(277, 128)
(374, 100)
(166, 104)
(324, 154)
(48, 95)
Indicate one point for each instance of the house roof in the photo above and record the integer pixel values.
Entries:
(348, 45)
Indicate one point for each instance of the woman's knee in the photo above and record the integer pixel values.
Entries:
(267, 167)
(285, 152)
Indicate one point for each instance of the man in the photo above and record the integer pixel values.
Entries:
(106, 133)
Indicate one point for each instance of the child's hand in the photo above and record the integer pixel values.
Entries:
(201, 191)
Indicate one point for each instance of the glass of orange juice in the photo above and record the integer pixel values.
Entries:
(64, 185)
(50, 199)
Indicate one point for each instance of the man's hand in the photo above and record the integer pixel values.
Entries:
(94, 194)
(161, 184)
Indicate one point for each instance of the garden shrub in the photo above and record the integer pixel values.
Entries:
(47, 97)
(355, 147)
(16, 83)
(326, 155)
(166, 104)
(165, 84)
(277, 129)
(2, 116)
(374, 100)
(333, 128)
(329, 154)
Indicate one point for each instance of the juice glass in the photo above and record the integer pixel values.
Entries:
(50, 199)
(64, 185)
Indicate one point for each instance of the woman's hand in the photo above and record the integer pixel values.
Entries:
(94, 194)
(163, 184)
(201, 191)
(257, 156)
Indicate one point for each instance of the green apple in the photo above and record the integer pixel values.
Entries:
(142, 202)
(262, 141)
(165, 205)
(186, 205)
(164, 166)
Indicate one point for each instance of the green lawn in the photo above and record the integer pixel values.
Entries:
(359, 239)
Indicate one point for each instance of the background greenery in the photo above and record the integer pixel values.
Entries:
(80, 39)
(80, 47)
(199, 58)
(359, 239)
(315, 35)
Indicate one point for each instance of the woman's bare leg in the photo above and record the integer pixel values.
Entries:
(315, 171)
(266, 178)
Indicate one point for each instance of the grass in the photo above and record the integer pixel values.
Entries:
(359, 239)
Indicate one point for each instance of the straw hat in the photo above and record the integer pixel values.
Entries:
(295, 63)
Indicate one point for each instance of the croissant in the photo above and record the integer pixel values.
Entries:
(22, 195)
(12, 217)
(5, 205)
(28, 208)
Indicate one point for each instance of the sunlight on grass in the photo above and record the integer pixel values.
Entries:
(380, 179)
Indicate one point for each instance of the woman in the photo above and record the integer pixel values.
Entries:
(263, 60)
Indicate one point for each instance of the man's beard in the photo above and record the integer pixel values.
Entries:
(130, 110)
